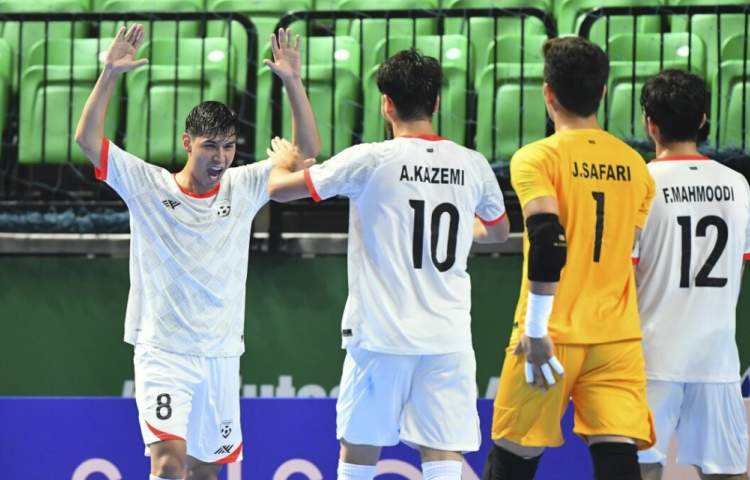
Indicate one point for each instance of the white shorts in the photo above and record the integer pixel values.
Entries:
(427, 400)
(191, 398)
(709, 420)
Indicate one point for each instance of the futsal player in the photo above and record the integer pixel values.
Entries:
(584, 194)
(416, 204)
(189, 247)
(689, 272)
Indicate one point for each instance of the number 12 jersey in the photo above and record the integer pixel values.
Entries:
(690, 259)
(411, 214)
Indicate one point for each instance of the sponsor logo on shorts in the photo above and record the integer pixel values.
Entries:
(225, 428)
(224, 449)
(347, 332)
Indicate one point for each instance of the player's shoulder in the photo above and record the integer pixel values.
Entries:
(538, 150)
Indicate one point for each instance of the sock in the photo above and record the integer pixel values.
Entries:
(504, 465)
(442, 470)
(350, 471)
(615, 461)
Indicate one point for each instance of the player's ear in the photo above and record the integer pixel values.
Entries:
(186, 142)
(437, 105)
(703, 121)
(388, 108)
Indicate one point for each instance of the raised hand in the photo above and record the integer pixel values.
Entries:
(286, 62)
(120, 57)
(286, 156)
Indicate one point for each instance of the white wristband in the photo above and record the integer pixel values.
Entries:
(538, 309)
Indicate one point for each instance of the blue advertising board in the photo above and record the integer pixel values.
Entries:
(285, 439)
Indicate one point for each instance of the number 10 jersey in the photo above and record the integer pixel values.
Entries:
(411, 214)
(689, 269)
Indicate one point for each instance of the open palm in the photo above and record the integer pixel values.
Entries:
(121, 55)
(286, 58)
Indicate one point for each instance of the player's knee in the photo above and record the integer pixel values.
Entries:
(502, 464)
(615, 461)
(168, 465)
(547, 247)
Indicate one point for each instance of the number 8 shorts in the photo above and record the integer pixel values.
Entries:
(191, 398)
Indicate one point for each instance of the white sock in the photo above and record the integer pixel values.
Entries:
(350, 471)
(443, 470)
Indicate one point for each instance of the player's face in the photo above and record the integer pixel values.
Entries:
(211, 157)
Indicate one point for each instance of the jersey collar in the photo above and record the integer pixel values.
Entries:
(187, 192)
(425, 136)
(673, 158)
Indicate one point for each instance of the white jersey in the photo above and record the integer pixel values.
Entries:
(188, 254)
(411, 215)
(689, 270)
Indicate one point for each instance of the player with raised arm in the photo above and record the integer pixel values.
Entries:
(689, 271)
(189, 247)
(416, 203)
(584, 194)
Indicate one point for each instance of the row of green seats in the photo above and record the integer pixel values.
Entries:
(159, 96)
(340, 106)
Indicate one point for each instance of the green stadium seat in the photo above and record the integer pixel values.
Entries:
(34, 32)
(52, 99)
(730, 95)
(570, 15)
(155, 29)
(502, 87)
(167, 90)
(507, 49)
(734, 47)
(6, 78)
(706, 27)
(483, 28)
(450, 120)
(623, 92)
(265, 15)
(326, 65)
(372, 31)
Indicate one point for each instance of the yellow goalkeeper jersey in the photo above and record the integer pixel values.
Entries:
(603, 191)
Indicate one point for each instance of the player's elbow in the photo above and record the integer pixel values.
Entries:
(499, 232)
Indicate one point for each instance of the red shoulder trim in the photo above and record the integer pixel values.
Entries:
(490, 223)
(100, 172)
(746, 256)
(635, 260)
(310, 186)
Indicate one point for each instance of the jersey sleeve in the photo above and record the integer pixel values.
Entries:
(746, 253)
(491, 208)
(254, 178)
(645, 207)
(124, 172)
(344, 174)
(531, 175)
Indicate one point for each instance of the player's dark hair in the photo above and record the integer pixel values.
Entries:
(676, 101)
(211, 119)
(576, 70)
(412, 81)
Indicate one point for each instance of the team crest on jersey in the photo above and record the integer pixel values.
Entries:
(223, 209)
(225, 429)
